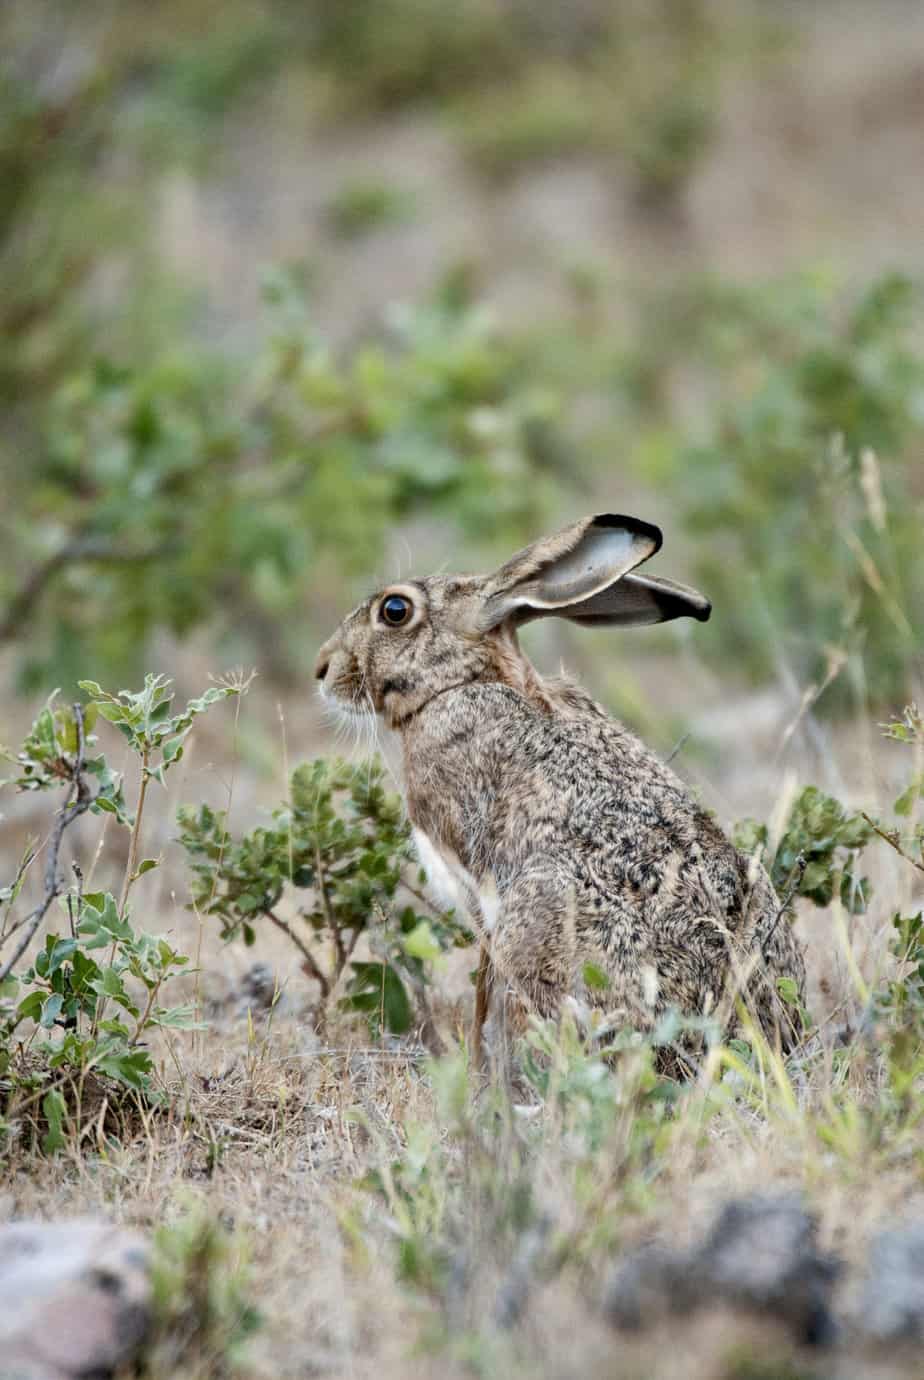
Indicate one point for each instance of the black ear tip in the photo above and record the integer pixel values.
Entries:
(702, 614)
(631, 524)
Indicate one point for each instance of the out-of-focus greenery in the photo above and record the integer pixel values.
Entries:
(93, 993)
(803, 493)
(162, 493)
(154, 480)
(817, 855)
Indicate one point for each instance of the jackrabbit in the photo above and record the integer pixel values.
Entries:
(574, 849)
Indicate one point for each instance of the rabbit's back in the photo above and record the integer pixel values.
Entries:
(594, 847)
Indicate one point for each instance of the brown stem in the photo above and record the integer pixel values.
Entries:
(130, 870)
(133, 847)
(893, 842)
(484, 987)
(328, 912)
(417, 894)
(77, 802)
(796, 875)
(310, 961)
(79, 549)
(143, 1018)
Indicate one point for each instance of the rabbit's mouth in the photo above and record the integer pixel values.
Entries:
(345, 694)
(344, 699)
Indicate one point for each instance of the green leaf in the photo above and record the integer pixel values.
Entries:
(421, 942)
(788, 990)
(178, 1018)
(595, 978)
(51, 1010)
(59, 951)
(147, 865)
(55, 1110)
(131, 1067)
(905, 802)
(30, 1008)
(173, 749)
(377, 990)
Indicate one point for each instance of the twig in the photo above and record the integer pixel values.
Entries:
(677, 748)
(78, 549)
(326, 907)
(417, 894)
(892, 841)
(132, 864)
(311, 962)
(78, 801)
(799, 870)
(26, 862)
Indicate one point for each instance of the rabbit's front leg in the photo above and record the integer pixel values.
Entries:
(534, 943)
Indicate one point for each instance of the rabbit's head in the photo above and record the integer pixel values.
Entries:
(418, 638)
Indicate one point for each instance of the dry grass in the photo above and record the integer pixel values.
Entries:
(272, 1132)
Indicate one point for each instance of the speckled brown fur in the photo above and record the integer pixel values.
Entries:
(526, 789)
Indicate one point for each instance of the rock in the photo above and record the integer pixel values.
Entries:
(258, 987)
(76, 1298)
(646, 1286)
(891, 1305)
(761, 1255)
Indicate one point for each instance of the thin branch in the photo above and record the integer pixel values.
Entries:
(892, 841)
(78, 801)
(328, 912)
(311, 962)
(78, 550)
(677, 749)
(132, 864)
(6, 930)
(418, 895)
(798, 873)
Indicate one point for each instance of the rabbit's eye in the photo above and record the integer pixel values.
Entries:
(395, 610)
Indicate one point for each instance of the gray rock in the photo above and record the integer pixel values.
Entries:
(647, 1285)
(891, 1306)
(761, 1255)
(258, 987)
(76, 1298)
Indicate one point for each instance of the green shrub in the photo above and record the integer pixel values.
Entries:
(364, 204)
(345, 842)
(800, 498)
(818, 853)
(93, 993)
(162, 468)
(201, 1280)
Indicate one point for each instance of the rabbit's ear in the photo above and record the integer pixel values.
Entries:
(567, 568)
(639, 599)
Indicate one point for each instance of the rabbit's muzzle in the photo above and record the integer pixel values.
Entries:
(340, 677)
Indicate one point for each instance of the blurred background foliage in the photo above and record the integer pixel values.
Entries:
(292, 291)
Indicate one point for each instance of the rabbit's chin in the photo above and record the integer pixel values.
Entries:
(344, 709)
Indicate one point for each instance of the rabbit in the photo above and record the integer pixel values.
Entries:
(587, 869)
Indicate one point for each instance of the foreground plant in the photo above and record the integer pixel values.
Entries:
(92, 993)
(341, 842)
(203, 1314)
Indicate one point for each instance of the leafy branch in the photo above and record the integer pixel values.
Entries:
(68, 988)
(77, 801)
(341, 843)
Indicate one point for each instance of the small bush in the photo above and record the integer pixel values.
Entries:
(345, 844)
(203, 1314)
(92, 995)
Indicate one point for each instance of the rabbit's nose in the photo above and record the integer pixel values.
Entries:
(321, 666)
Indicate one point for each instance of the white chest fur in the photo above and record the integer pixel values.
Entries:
(453, 886)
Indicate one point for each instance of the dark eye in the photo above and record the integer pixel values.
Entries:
(395, 610)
